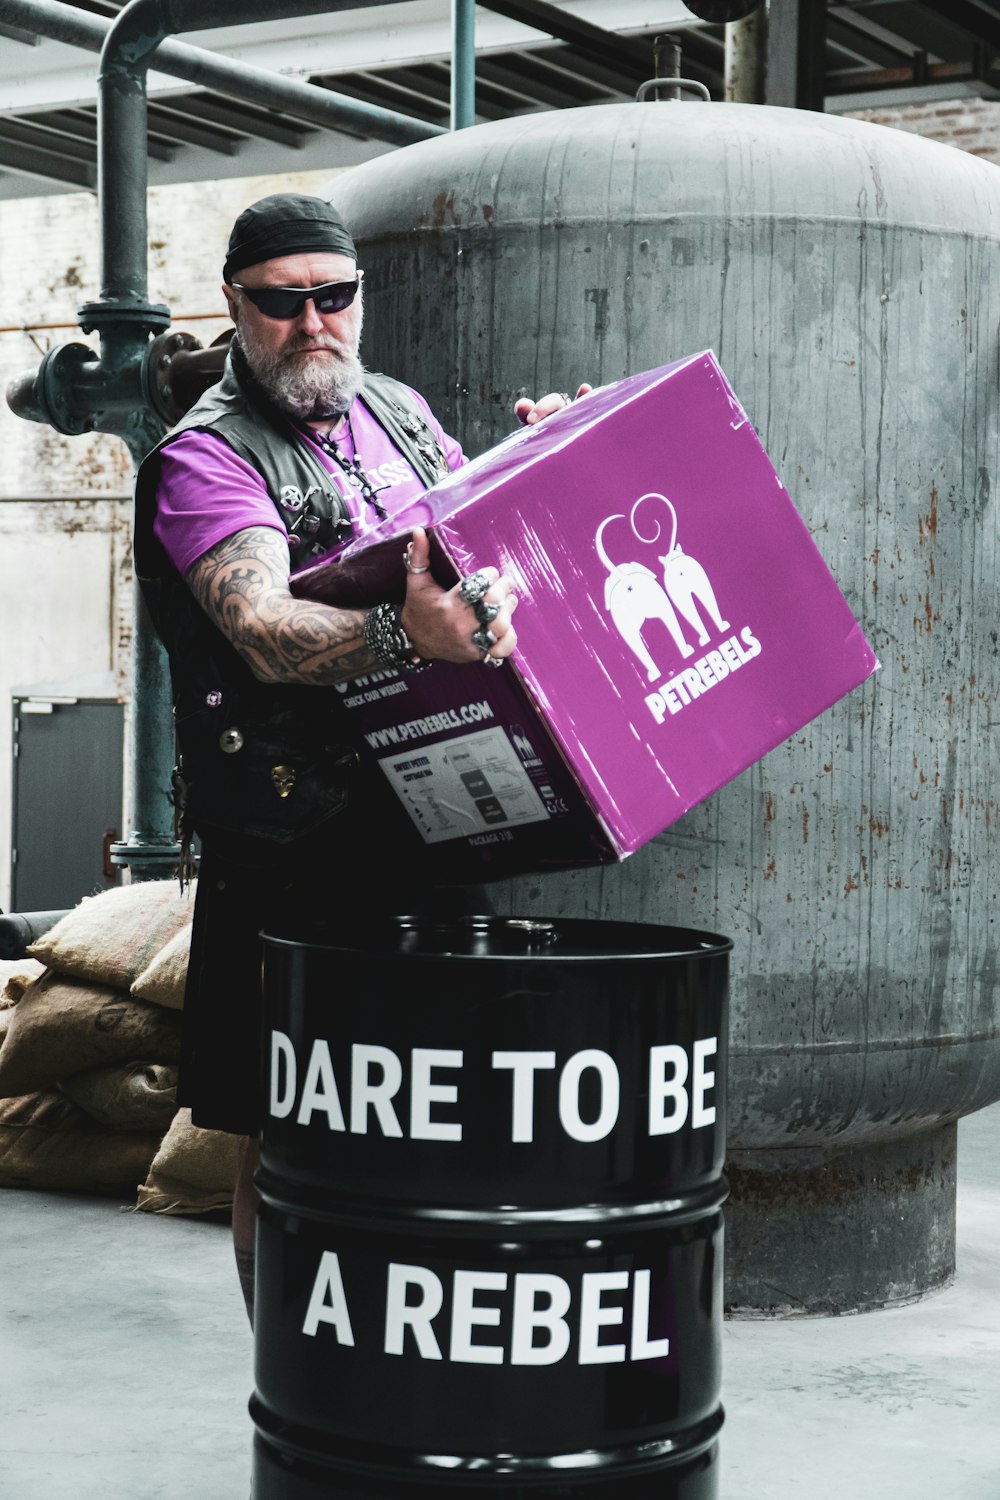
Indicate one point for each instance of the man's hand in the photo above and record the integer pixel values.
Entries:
(439, 622)
(529, 412)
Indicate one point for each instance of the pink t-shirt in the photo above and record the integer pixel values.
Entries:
(206, 492)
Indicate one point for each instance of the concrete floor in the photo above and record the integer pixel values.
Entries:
(125, 1365)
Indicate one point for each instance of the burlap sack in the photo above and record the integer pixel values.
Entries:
(193, 1172)
(163, 982)
(63, 1026)
(127, 1096)
(47, 1143)
(113, 937)
(15, 976)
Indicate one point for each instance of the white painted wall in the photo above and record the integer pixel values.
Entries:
(65, 512)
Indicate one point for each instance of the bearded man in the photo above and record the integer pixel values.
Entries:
(296, 449)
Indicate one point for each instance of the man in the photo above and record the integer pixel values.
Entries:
(294, 450)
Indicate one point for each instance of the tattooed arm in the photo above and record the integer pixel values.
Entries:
(242, 585)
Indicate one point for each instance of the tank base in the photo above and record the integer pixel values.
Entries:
(279, 1473)
(813, 1233)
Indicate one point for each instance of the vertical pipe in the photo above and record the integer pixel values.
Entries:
(121, 186)
(149, 851)
(667, 64)
(463, 64)
(746, 58)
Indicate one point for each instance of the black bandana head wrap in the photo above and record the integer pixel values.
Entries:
(285, 224)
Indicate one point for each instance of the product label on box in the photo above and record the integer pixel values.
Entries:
(472, 785)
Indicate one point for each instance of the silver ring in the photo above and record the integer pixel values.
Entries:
(486, 613)
(409, 566)
(566, 397)
(483, 638)
(492, 661)
(472, 589)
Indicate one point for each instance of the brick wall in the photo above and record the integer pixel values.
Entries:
(972, 125)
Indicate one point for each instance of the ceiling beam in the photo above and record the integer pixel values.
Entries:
(51, 166)
(606, 46)
(980, 24)
(266, 126)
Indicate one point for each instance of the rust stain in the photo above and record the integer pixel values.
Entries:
(850, 884)
(805, 825)
(828, 768)
(443, 210)
(768, 807)
(772, 869)
(488, 212)
(788, 897)
(927, 526)
(878, 825)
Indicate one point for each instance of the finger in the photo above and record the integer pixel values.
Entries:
(418, 549)
(505, 644)
(499, 591)
(583, 390)
(522, 408)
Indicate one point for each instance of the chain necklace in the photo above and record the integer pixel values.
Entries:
(353, 468)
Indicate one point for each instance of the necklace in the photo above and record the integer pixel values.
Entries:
(354, 469)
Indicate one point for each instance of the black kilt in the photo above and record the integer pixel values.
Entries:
(335, 878)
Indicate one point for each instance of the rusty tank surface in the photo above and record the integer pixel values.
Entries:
(847, 277)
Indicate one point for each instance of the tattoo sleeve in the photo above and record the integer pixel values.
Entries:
(242, 585)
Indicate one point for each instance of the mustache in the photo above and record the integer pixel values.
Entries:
(305, 343)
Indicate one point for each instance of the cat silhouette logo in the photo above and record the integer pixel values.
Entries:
(634, 596)
(522, 744)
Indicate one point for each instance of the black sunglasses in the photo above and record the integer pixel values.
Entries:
(287, 302)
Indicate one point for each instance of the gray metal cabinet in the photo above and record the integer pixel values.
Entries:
(67, 797)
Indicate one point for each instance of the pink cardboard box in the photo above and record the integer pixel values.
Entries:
(675, 623)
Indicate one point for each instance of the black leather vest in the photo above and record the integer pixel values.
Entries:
(260, 760)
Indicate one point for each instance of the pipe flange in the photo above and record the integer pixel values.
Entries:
(157, 383)
(110, 314)
(60, 378)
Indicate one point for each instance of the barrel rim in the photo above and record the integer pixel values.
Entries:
(593, 1464)
(693, 943)
(693, 1205)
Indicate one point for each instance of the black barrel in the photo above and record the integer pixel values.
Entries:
(489, 1253)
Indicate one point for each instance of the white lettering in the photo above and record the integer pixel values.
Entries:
(657, 707)
(424, 1093)
(378, 1095)
(662, 1088)
(399, 1315)
(643, 1347)
(550, 1318)
(319, 1091)
(329, 1283)
(465, 1316)
(523, 1065)
(594, 1317)
(569, 1095)
(701, 1082)
(282, 1050)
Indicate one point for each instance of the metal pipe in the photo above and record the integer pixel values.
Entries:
(463, 64)
(667, 64)
(18, 930)
(303, 101)
(746, 59)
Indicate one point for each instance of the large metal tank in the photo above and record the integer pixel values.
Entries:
(846, 275)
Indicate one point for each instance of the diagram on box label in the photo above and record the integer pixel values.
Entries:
(464, 786)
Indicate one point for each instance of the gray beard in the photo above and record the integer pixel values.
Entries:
(310, 390)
